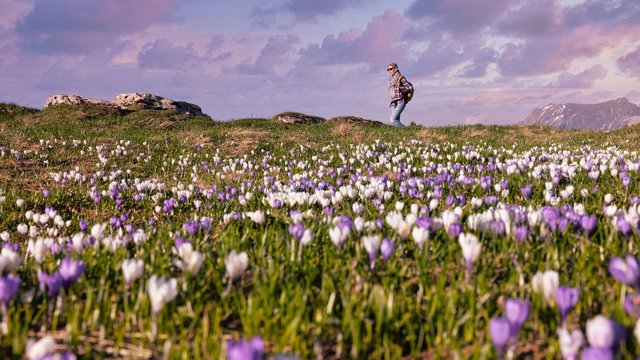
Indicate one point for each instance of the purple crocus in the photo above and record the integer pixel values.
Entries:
(46, 193)
(70, 271)
(84, 225)
(597, 353)
(566, 299)
(245, 350)
(455, 229)
(387, 248)
(626, 271)
(623, 226)
(632, 305)
(521, 234)
(50, 283)
(516, 312)
(588, 224)
(500, 332)
(297, 231)
(526, 191)
(9, 285)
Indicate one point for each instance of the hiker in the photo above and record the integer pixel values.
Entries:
(401, 92)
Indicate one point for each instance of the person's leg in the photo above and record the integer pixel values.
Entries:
(395, 113)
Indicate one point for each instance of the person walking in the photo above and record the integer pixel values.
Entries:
(398, 88)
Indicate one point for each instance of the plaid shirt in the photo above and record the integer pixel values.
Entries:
(396, 88)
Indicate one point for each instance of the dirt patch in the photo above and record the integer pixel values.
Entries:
(431, 136)
(241, 141)
(349, 130)
(476, 133)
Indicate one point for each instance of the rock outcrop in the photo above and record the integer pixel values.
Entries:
(128, 101)
(298, 118)
(137, 101)
(355, 120)
(67, 99)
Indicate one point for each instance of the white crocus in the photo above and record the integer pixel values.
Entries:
(161, 291)
(236, 264)
(546, 283)
(570, 342)
(471, 247)
(37, 350)
(371, 243)
(9, 260)
(338, 235)
(190, 260)
(420, 235)
(601, 332)
(132, 269)
(256, 216)
(97, 231)
(38, 249)
(307, 237)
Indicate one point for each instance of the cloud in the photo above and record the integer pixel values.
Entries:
(82, 26)
(272, 55)
(303, 11)
(378, 45)
(533, 19)
(460, 16)
(480, 62)
(162, 54)
(584, 79)
(630, 62)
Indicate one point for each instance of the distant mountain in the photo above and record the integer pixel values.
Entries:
(602, 116)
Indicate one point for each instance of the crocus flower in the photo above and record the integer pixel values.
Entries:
(161, 291)
(521, 234)
(588, 224)
(632, 305)
(236, 264)
(50, 283)
(546, 283)
(516, 312)
(9, 285)
(500, 332)
(603, 332)
(471, 248)
(566, 299)
(570, 343)
(9, 259)
(338, 235)
(132, 269)
(387, 248)
(41, 349)
(371, 244)
(626, 271)
(190, 260)
(597, 353)
(245, 350)
(70, 271)
(420, 235)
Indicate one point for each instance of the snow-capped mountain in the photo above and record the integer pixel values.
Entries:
(602, 116)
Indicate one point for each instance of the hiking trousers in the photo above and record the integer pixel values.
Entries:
(396, 110)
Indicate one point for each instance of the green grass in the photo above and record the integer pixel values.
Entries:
(318, 299)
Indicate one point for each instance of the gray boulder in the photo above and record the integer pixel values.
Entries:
(354, 120)
(136, 101)
(298, 118)
(67, 99)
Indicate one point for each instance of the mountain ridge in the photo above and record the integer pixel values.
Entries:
(608, 115)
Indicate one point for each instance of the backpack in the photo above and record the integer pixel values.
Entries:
(408, 95)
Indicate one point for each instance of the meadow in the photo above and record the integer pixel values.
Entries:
(152, 234)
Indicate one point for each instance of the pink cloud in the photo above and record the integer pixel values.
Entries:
(460, 16)
(584, 79)
(301, 10)
(162, 54)
(379, 43)
(630, 62)
(271, 56)
(81, 26)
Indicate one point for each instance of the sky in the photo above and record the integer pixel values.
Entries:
(480, 61)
